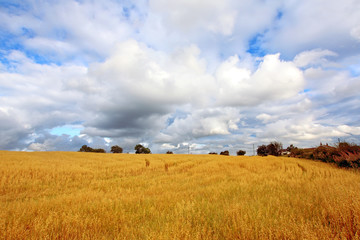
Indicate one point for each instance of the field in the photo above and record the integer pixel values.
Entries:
(63, 195)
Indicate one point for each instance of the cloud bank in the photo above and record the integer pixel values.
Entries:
(191, 75)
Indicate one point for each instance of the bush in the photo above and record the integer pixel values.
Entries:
(169, 152)
(325, 153)
(225, 153)
(241, 153)
(297, 152)
(343, 154)
(349, 155)
(116, 149)
(212, 153)
(349, 148)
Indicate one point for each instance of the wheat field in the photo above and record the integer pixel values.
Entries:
(64, 195)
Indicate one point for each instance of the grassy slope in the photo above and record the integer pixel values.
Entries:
(114, 196)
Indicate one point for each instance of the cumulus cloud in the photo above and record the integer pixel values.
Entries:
(68, 30)
(138, 86)
(273, 80)
(309, 25)
(33, 97)
(178, 75)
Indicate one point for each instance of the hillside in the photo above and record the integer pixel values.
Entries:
(115, 196)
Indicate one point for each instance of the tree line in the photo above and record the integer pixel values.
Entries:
(343, 154)
(139, 149)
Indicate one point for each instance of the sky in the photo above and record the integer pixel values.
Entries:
(192, 75)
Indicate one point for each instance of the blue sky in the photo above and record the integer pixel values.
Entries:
(215, 75)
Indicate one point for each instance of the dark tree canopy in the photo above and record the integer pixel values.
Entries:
(116, 149)
(225, 153)
(140, 149)
(261, 150)
(274, 148)
(85, 148)
(241, 152)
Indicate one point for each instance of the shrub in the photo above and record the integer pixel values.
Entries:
(348, 148)
(213, 153)
(325, 153)
(297, 152)
(169, 152)
(349, 155)
(241, 153)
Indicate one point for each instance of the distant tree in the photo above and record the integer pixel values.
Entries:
(261, 150)
(241, 153)
(274, 148)
(213, 153)
(140, 149)
(85, 148)
(169, 152)
(291, 147)
(116, 149)
(225, 153)
(99, 150)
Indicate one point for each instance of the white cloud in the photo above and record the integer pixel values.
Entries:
(273, 80)
(355, 32)
(169, 72)
(188, 16)
(309, 24)
(314, 57)
(301, 129)
(265, 118)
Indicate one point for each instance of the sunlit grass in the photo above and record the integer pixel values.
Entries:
(49, 195)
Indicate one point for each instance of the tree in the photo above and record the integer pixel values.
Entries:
(290, 148)
(261, 150)
(85, 148)
(241, 153)
(99, 150)
(274, 148)
(116, 149)
(140, 149)
(169, 152)
(225, 153)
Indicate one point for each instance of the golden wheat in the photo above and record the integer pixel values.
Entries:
(61, 195)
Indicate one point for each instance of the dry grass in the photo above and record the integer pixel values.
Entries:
(58, 195)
